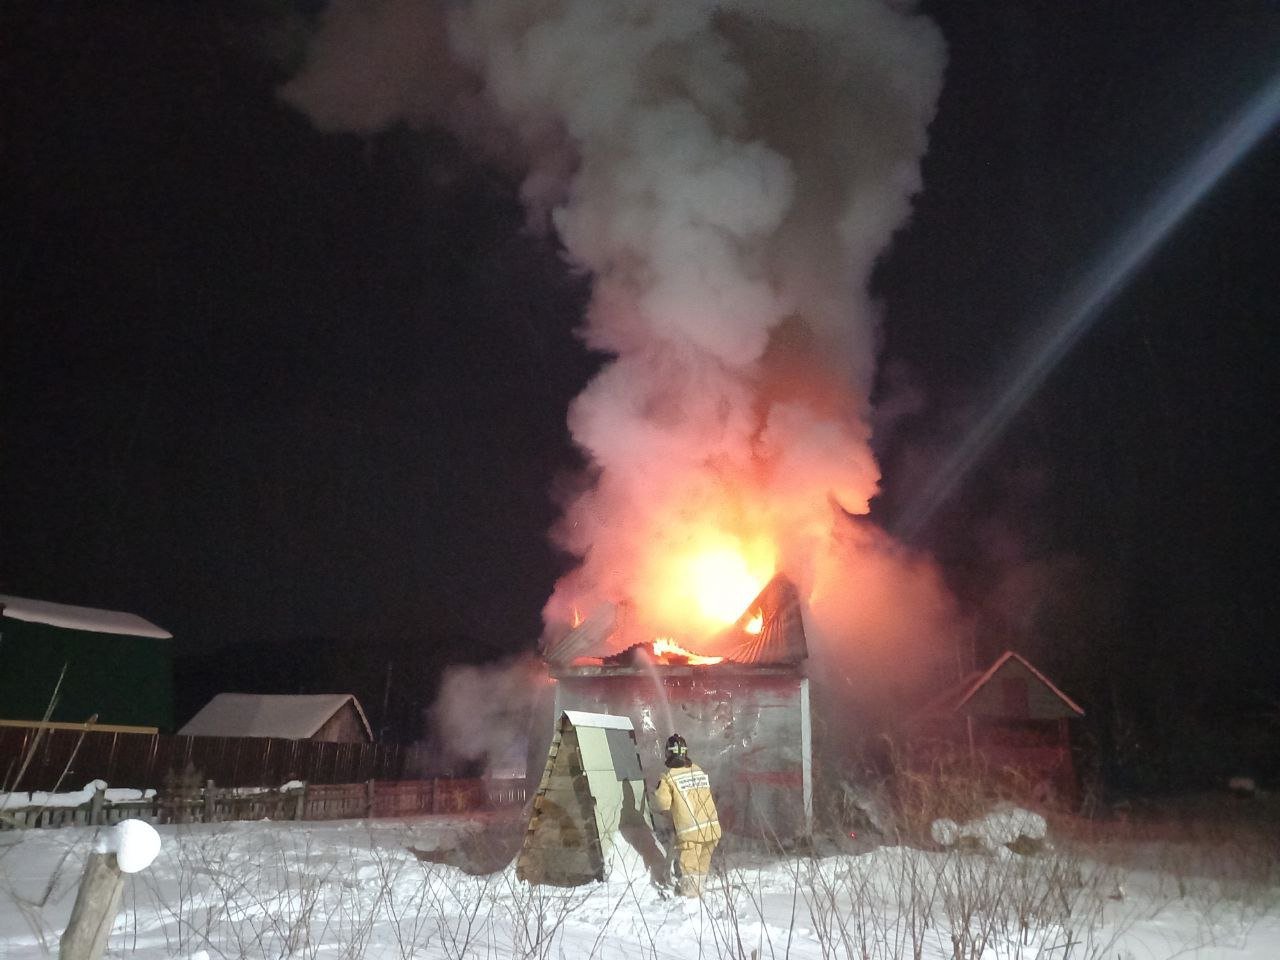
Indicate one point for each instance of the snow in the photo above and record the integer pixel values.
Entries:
(80, 618)
(75, 798)
(602, 720)
(288, 716)
(135, 843)
(390, 890)
(1002, 826)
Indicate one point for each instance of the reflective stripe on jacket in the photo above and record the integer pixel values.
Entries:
(686, 793)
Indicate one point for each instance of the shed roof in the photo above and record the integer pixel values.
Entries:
(288, 716)
(606, 721)
(80, 618)
(954, 698)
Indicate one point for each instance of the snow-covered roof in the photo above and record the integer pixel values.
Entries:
(603, 720)
(80, 618)
(288, 716)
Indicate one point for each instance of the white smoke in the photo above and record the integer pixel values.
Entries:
(482, 714)
(728, 173)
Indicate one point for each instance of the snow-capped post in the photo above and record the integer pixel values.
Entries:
(128, 847)
(96, 804)
(300, 804)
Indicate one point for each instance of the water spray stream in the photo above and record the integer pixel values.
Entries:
(1073, 316)
(660, 691)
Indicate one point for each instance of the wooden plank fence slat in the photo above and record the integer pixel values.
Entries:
(331, 801)
(341, 780)
(67, 759)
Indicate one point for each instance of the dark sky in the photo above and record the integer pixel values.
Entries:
(262, 385)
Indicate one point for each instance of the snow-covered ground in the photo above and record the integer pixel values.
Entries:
(418, 889)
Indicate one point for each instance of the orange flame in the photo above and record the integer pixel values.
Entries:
(667, 650)
(755, 624)
(704, 585)
(577, 617)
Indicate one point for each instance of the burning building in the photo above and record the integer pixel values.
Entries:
(741, 701)
(728, 175)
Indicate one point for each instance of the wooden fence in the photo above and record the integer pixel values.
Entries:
(342, 801)
(55, 759)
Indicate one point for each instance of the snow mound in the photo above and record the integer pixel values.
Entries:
(1002, 826)
(134, 842)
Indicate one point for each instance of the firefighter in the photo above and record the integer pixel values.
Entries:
(685, 792)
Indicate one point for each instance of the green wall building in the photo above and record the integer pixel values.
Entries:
(119, 667)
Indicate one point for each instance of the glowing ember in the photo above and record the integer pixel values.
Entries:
(755, 624)
(666, 650)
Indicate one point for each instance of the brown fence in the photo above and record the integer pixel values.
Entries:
(341, 801)
(35, 759)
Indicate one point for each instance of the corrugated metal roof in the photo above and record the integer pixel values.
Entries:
(590, 638)
(781, 638)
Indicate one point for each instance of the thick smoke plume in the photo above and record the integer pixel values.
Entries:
(728, 173)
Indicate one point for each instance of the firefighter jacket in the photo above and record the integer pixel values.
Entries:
(685, 792)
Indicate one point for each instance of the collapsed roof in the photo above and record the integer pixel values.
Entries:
(780, 639)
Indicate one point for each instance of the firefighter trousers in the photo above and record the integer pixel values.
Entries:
(694, 858)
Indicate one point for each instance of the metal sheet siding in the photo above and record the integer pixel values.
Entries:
(746, 731)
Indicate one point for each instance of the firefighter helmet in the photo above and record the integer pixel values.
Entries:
(677, 750)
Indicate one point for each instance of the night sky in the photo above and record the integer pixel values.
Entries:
(300, 398)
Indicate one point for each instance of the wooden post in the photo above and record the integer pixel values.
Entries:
(300, 804)
(209, 811)
(94, 913)
(806, 758)
(95, 807)
(368, 799)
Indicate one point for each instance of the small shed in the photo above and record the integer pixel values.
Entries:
(113, 666)
(1012, 716)
(330, 717)
(590, 815)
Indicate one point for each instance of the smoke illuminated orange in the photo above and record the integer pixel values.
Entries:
(665, 649)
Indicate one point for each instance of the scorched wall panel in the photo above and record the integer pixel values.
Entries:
(746, 728)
